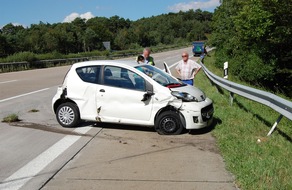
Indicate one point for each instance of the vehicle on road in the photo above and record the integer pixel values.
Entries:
(198, 48)
(125, 92)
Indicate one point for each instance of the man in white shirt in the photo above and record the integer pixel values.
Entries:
(187, 69)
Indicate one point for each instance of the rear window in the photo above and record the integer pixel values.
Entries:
(89, 73)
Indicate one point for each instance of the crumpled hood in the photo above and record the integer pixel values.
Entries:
(196, 92)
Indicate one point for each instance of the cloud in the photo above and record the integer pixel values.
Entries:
(73, 16)
(203, 5)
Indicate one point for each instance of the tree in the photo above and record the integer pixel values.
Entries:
(100, 26)
(255, 37)
(3, 46)
(14, 38)
(86, 35)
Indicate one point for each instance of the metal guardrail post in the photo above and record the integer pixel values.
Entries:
(231, 97)
(275, 125)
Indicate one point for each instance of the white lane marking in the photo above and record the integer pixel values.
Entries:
(31, 169)
(14, 97)
(173, 64)
(8, 81)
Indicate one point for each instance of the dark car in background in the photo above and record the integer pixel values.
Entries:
(198, 48)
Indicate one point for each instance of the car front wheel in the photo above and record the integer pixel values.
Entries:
(168, 123)
(68, 115)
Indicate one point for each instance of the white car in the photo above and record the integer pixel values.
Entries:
(125, 92)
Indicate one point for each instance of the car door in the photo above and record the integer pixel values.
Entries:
(119, 97)
(166, 68)
(82, 91)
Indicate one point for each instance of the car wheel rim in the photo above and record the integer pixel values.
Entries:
(169, 125)
(66, 115)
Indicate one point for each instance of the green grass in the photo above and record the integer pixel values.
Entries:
(33, 110)
(255, 165)
(11, 118)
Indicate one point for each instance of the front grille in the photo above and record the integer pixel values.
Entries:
(207, 112)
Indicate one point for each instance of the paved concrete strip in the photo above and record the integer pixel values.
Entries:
(27, 172)
(137, 159)
(21, 95)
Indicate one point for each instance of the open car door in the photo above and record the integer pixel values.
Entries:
(166, 68)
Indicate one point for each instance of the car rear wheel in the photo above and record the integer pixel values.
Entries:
(68, 114)
(168, 123)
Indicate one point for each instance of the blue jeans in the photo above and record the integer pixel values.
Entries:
(190, 82)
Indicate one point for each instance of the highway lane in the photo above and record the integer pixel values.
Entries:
(17, 83)
(22, 143)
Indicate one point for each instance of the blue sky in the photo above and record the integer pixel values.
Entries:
(27, 12)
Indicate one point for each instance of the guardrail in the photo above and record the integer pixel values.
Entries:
(24, 65)
(282, 106)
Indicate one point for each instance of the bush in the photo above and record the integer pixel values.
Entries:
(53, 55)
(254, 69)
(221, 58)
(250, 67)
(21, 56)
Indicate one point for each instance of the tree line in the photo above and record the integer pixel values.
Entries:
(83, 35)
(255, 37)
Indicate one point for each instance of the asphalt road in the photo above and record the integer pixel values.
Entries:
(37, 153)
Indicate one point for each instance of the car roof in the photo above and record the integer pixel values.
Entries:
(106, 62)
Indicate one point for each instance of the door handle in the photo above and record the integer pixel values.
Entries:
(101, 90)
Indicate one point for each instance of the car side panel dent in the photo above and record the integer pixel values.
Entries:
(165, 97)
(177, 103)
(84, 100)
(164, 102)
(97, 118)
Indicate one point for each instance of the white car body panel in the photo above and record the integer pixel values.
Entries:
(122, 107)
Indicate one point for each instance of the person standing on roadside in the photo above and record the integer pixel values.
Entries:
(205, 53)
(148, 59)
(187, 69)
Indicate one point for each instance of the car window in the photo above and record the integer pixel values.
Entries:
(123, 78)
(158, 75)
(88, 73)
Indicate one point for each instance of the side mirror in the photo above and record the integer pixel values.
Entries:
(147, 95)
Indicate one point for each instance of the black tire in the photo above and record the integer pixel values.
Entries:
(168, 123)
(67, 115)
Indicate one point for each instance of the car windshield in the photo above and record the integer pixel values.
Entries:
(160, 76)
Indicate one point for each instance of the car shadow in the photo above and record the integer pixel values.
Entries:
(202, 131)
(118, 126)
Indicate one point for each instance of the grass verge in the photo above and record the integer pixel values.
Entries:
(256, 165)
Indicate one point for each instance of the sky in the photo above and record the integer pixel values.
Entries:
(27, 12)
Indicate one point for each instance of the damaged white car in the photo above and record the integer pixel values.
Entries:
(129, 93)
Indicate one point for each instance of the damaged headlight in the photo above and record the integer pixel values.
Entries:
(184, 96)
